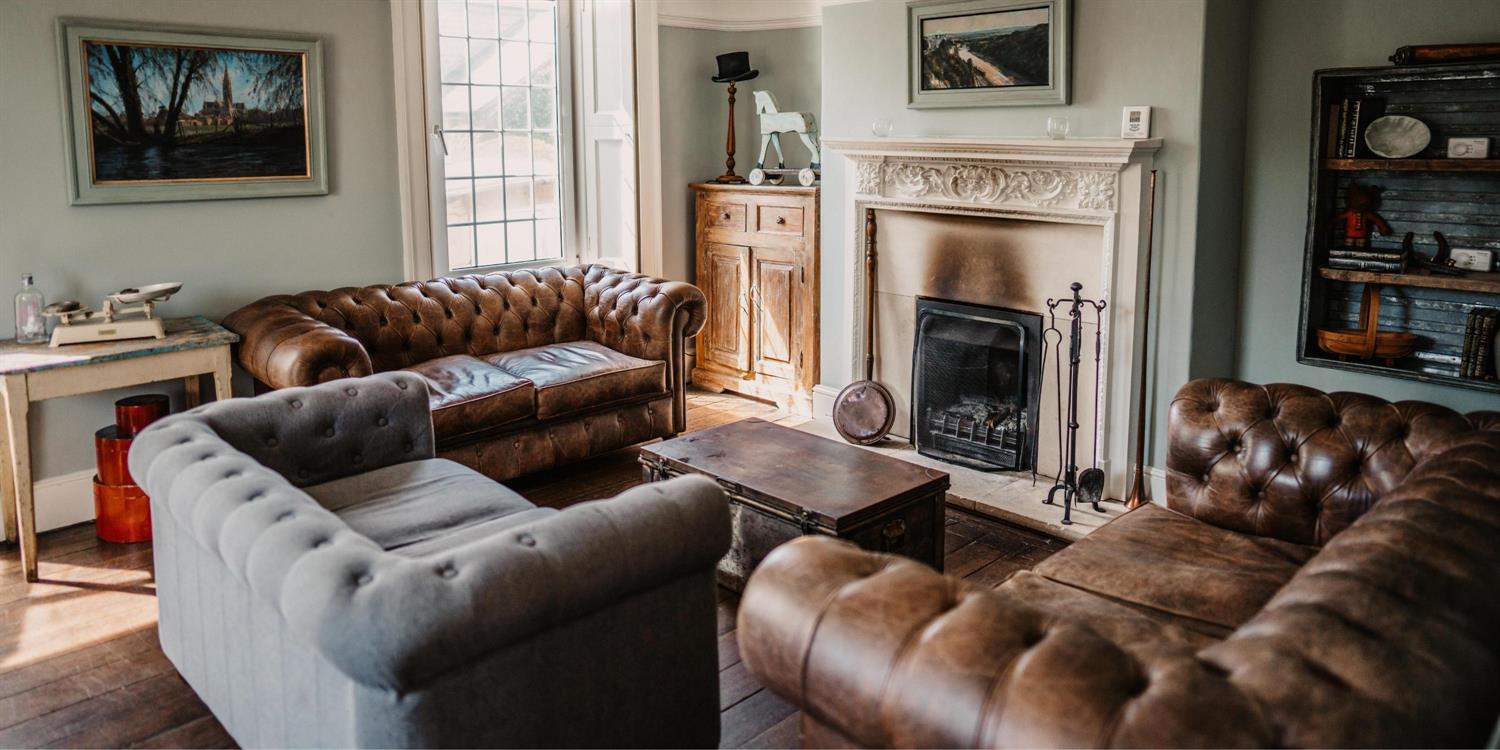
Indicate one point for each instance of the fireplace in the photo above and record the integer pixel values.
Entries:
(975, 387)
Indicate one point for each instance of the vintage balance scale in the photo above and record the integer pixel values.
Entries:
(77, 324)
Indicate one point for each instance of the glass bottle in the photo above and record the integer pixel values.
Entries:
(31, 327)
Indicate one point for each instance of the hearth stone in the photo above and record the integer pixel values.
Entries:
(1004, 495)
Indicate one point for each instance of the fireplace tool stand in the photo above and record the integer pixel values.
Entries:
(1069, 484)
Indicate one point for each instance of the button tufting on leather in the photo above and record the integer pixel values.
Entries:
(364, 579)
(401, 385)
(382, 422)
(324, 542)
(526, 539)
(328, 432)
(447, 571)
(296, 404)
(287, 516)
(351, 392)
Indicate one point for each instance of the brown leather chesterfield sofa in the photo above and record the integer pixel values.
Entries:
(525, 370)
(1325, 573)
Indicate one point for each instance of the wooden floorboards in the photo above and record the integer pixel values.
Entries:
(80, 664)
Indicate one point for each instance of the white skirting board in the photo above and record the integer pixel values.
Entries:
(64, 500)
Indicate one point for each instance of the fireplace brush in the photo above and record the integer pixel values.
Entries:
(1071, 483)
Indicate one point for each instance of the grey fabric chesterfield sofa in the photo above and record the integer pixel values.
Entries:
(325, 581)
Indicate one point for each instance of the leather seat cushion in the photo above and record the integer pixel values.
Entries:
(411, 503)
(467, 395)
(1158, 558)
(579, 375)
(1131, 626)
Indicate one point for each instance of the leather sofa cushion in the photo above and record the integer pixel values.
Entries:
(1158, 558)
(467, 395)
(1133, 627)
(582, 374)
(408, 504)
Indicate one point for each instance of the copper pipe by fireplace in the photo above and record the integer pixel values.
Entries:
(1140, 492)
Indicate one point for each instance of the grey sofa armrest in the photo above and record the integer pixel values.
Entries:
(313, 434)
(397, 622)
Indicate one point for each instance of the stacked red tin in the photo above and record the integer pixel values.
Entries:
(122, 512)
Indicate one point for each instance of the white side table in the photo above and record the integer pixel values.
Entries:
(35, 372)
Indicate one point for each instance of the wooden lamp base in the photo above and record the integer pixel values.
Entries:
(729, 177)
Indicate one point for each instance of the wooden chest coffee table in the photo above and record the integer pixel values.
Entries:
(783, 483)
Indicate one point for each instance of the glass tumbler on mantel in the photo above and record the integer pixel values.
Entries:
(1058, 127)
(31, 326)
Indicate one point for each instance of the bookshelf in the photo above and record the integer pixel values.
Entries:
(1423, 194)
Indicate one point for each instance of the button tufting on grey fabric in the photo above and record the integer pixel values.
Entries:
(299, 629)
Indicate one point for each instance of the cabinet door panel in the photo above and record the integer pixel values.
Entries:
(727, 332)
(777, 315)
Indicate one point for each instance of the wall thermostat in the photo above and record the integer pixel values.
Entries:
(1136, 123)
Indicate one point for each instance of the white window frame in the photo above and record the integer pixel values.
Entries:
(420, 150)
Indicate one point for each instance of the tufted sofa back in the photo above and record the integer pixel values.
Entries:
(402, 325)
(1294, 463)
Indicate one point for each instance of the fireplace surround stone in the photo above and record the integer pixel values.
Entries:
(1091, 193)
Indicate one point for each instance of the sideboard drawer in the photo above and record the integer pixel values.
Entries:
(779, 220)
(717, 215)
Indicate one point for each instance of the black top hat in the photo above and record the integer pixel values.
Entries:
(734, 66)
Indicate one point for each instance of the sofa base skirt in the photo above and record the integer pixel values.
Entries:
(564, 441)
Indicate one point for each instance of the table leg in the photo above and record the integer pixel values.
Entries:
(17, 405)
(7, 483)
(192, 392)
(223, 384)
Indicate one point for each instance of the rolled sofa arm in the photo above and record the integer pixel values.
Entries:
(307, 435)
(282, 346)
(889, 653)
(638, 314)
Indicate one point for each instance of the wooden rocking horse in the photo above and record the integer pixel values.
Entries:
(772, 124)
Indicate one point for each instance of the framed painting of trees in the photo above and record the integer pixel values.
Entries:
(175, 114)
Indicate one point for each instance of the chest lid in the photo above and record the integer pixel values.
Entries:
(834, 485)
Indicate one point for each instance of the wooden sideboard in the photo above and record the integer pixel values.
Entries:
(758, 265)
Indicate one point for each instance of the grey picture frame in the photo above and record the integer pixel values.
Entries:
(84, 190)
(1056, 92)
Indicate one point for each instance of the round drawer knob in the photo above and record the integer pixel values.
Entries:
(724, 216)
(781, 220)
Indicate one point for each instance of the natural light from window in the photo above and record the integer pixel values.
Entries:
(499, 75)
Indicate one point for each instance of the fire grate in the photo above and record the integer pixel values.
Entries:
(974, 384)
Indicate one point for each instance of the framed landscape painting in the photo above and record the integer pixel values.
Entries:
(979, 53)
(166, 114)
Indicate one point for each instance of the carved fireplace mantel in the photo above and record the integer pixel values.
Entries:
(1093, 181)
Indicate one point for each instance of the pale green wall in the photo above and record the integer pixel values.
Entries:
(693, 110)
(1291, 39)
(228, 253)
(1124, 53)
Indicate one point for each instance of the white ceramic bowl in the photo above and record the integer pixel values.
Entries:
(1397, 136)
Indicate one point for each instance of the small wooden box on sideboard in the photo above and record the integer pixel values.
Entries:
(757, 261)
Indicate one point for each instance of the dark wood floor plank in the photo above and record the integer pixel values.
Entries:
(736, 684)
(204, 732)
(786, 733)
(750, 717)
(729, 650)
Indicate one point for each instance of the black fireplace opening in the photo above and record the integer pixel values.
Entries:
(976, 385)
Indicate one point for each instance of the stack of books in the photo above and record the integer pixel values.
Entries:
(1478, 360)
(1347, 121)
(1367, 259)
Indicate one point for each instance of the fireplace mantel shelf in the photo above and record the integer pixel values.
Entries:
(1093, 150)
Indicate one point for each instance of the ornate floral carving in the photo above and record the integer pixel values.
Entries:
(980, 183)
(867, 177)
(1096, 190)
